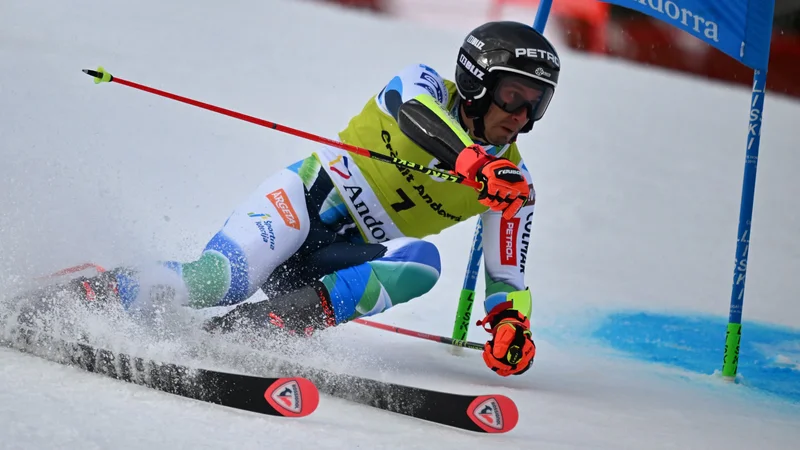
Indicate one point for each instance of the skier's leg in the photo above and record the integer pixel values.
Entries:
(304, 213)
(409, 269)
(291, 215)
(388, 274)
(265, 230)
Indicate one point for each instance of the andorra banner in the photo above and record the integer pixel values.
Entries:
(740, 28)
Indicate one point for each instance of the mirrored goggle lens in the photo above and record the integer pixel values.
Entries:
(516, 92)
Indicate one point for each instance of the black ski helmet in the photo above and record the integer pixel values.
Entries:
(495, 49)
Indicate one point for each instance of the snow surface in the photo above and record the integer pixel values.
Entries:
(637, 172)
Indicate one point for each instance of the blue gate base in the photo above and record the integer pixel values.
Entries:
(769, 358)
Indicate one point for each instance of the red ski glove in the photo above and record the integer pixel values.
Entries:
(511, 349)
(504, 187)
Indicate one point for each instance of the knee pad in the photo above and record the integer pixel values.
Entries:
(410, 268)
(413, 251)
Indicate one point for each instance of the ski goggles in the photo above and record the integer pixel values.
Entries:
(514, 92)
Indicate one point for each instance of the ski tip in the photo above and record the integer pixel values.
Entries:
(494, 413)
(293, 397)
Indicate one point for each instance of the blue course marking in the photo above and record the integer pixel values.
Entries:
(769, 356)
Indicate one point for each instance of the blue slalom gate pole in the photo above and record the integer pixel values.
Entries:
(733, 334)
(542, 14)
(467, 297)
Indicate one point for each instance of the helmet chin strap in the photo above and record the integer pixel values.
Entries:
(478, 128)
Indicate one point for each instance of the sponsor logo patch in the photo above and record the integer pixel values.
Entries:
(280, 200)
(508, 241)
(264, 225)
(341, 166)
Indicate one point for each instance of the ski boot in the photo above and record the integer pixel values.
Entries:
(298, 313)
(93, 293)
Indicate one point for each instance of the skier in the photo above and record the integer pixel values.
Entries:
(337, 236)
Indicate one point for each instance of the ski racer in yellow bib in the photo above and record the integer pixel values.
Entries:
(338, 236)
(418, 205)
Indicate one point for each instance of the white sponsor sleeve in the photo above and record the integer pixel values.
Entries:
(407, 84)
(505, 244)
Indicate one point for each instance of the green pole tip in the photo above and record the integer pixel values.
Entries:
(100, 75)
(733, 338)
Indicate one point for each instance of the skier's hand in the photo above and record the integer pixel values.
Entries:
(504, 187)
(511, 349)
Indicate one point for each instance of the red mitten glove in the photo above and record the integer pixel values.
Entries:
(511, 349)
(504, 187)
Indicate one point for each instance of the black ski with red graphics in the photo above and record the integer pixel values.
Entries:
(274, 396)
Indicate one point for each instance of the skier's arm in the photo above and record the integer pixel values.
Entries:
(426, 122)
(510, 350)
(410, 82)
(503, 185)
(505, 245)
(416, 98)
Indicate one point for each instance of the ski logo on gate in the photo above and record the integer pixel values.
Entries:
(288, 396)
(488, 412)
